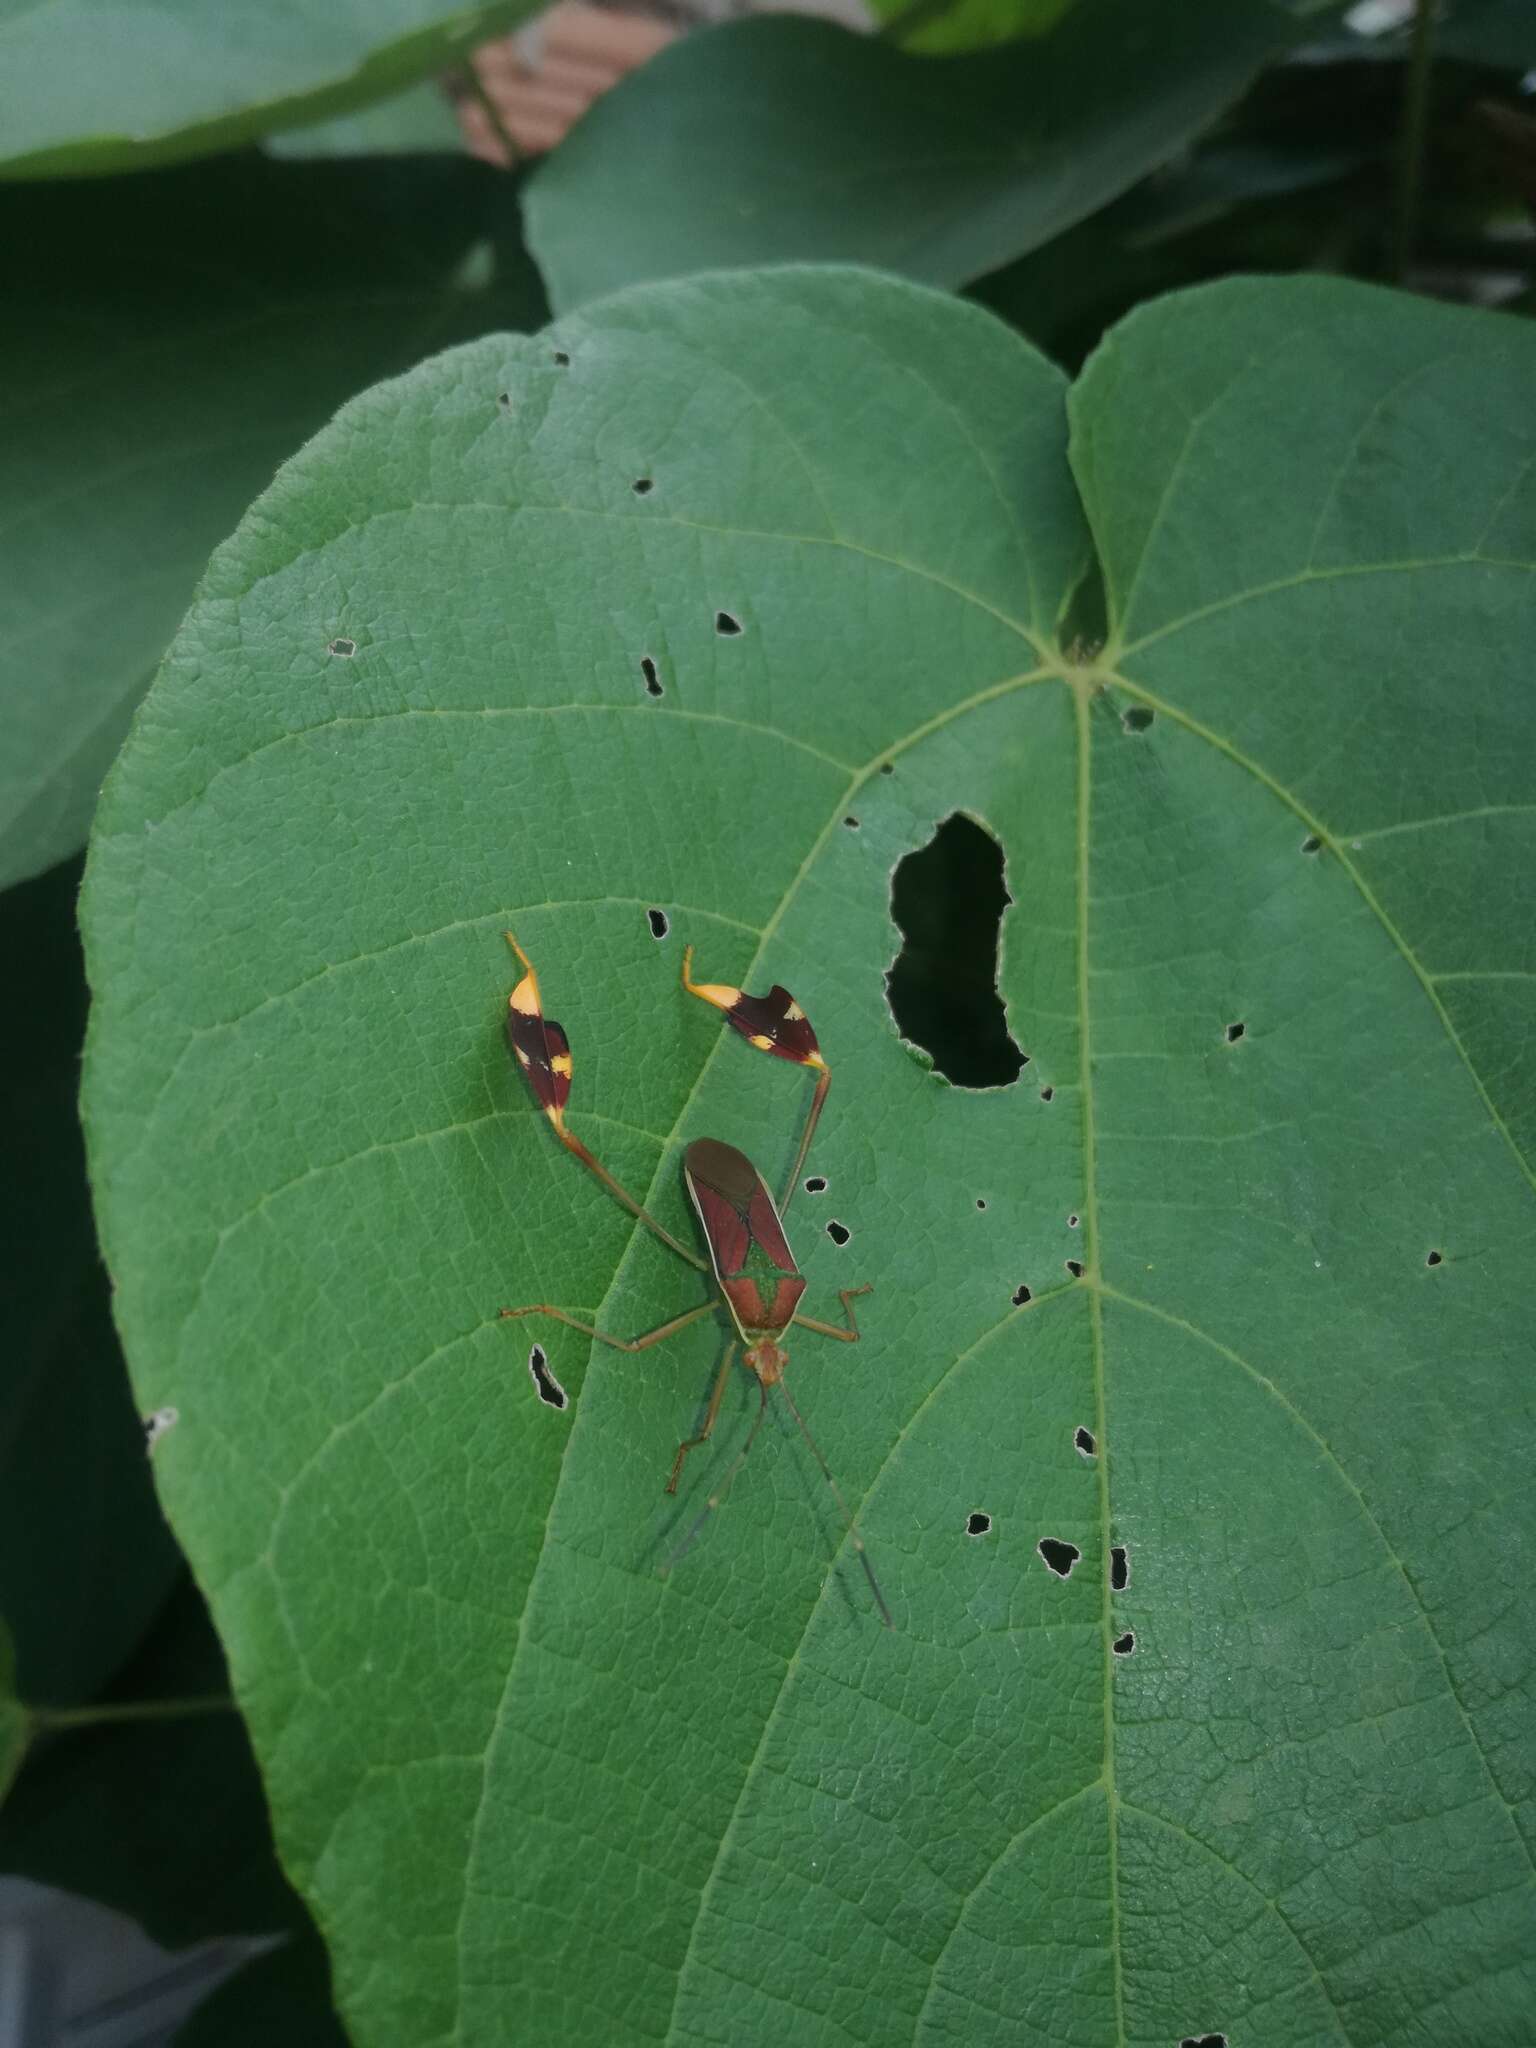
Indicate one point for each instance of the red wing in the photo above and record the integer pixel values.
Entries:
(734, 1207)
(726, 1230)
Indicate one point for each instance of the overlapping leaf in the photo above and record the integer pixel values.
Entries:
(169, 340)
(1262, 846)
(785, 138)
(122, 84)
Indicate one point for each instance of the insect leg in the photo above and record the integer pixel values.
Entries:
(542, 1308)
(813, 1117)
(717, 1498)
(837, 1494)
(710, 1414)
(575, 1147)
(852, 1333)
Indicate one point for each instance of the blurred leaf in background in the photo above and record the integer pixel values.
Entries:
(170, 339)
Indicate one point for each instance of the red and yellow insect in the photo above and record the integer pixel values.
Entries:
(749, 1255)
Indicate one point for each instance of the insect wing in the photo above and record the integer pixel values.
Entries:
(738, 1219)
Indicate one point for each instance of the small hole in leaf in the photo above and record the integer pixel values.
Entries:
(1235, 1032)
(1020, 1295)
(562, 360)
(1123, 1645)
(652, 680)
(816, 1185)
(1435, 1259)
(1059, 1556)
(345, 648)
(1083, 1443)
(549, 1388)
(852, 824)
(1047, 1094)
(838, 1232)
(1204, 2041)
(726, 625)
(641, 486)
(657, 920)
(947, 901)
(977, 1524)
(1119, 1567)
(1075, 1268)
(1137, 718)
(1311, 844)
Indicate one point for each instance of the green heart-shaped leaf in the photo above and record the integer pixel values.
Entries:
(1266, 956)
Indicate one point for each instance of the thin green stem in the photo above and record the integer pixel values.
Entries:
(130, 1710)
(470, 81)
(1410, 169)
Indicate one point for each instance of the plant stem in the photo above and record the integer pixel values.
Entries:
(1410, 172)
(131, 1710)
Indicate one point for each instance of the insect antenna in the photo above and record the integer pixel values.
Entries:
(717, 1498)
(837, 1494)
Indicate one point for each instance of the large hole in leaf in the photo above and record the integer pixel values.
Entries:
(947, 900)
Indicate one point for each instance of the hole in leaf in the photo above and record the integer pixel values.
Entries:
(1235, 1032)
(1137, 718)
(1084, 1444)
(1059, 1556)
(1020, 1295)
(1435, 1259)
(1311, 844)
(1123, 1645)
(562, 360)
(977, 1524)
(345, 648)
(657, 920)
(947, 900)
(852, 824)
(1119, 1567)
(1047, 1094)
(549, 1388)
(652, 680)
(1075, 1268)
(641, 486)
(838, 1232)
(816, 1185)
(726, 625)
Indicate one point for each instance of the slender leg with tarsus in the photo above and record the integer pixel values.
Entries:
(692, 1443)
(542, 1308)
(843, 1509)
(845, 1296)
(575, 1147)
(724, 1488)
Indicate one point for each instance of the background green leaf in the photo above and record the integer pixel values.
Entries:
(1295, 1808)
(788, 138)
(113, 85)
(170, 339)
